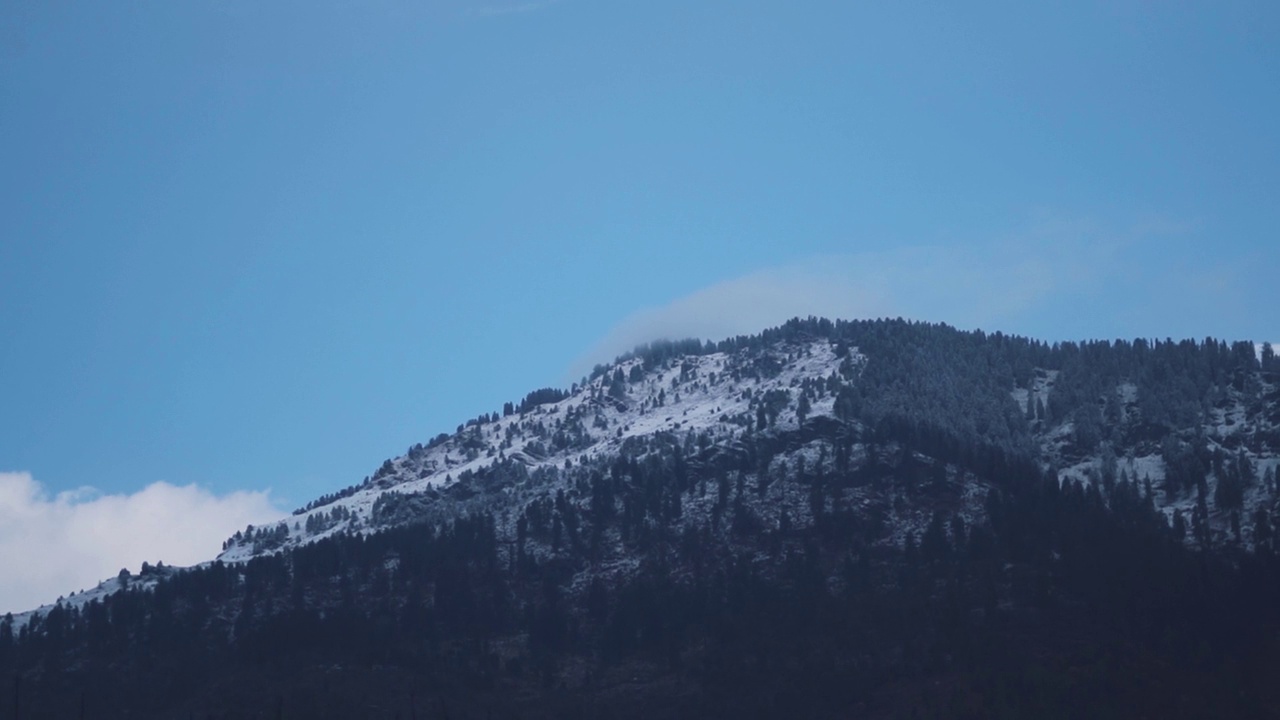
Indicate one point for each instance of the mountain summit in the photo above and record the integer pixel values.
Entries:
(830, 517)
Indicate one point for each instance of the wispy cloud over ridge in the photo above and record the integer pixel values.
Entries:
(1055, 280)
(900, 283)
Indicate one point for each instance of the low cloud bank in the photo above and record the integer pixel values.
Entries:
(53, 545)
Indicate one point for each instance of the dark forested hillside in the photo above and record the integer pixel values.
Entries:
(830, 519)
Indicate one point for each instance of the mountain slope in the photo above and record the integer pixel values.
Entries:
(828, 518)
(720, 398)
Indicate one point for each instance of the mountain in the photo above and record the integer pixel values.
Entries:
(1179, 422)
(879, 518)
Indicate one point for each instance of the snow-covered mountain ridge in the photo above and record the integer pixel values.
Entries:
(897, 424)
(720, 402)
(821, 503)
(717, 397)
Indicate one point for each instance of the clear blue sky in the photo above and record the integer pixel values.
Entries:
(268, 244)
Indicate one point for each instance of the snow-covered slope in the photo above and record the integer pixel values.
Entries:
(1231, 432)
(716, 396)
(144, 581)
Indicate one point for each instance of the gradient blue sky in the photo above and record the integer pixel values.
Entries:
(255, 245)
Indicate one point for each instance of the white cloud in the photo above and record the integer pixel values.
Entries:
(53, 545)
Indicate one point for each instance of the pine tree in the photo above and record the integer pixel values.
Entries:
(1262, 533)
(934, 545)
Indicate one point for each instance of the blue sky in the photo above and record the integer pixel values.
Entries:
(262, 246)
